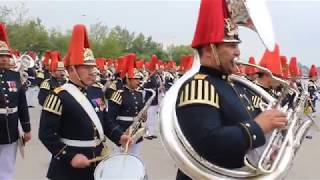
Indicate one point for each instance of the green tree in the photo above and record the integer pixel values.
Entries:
(175, 52)
(31, 35)
(59, 41)
(111, 48)
(123, 36)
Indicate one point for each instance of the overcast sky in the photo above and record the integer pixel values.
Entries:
(296, 23)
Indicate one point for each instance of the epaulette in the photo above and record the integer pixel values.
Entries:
(113, 85)
(117, 97)
(98, 85)
(53, 104)
(256, 101)
(57, 90)
(40, 75)
(198, 91)
(200, 76)
(45, 84)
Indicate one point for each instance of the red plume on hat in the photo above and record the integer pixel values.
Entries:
(55, 61)
(140, 64)
(313, 71)
(79, 52)
(154, 63)
(185, 63)
(120, 64)
(271, 61)
(293, 67)
(172, 64)
(47, 58)
(213, 15)
(15, 52)
(32, 54)
(148, 66)
(109, 61)
(285, 67)
(130, 70)
(100, 63)
(249, 69)
(4, 41)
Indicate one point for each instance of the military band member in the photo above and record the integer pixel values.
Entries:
(117, 83)
(313, 86)
(32, 70)
(74, 119)
(13, 108)
(271, 61)
(211, 110)
(43, 73)
(56, 80)
(125, 104)
(251, 72)
(295, 73)
(153, 81)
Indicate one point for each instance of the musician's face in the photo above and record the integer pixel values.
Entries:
(314, 78)
(59, 74)
(4, 60)
(227, 52)
(85, 73)
(133, 83)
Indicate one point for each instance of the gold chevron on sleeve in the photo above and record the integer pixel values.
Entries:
(53, 104)
(116, 97)
(198, 91)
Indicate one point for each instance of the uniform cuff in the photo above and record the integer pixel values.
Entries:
(26, 127)
(115, 135)
(65, 154)
(254, 134)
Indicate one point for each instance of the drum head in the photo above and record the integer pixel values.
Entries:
(120, 166)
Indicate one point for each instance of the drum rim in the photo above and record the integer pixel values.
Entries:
(119, 154)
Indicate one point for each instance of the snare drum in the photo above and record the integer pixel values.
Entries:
(120, 166)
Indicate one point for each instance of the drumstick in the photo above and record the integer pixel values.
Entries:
(97, 158)
(127, 143)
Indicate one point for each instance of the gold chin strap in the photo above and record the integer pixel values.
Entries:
(76, 72)
(215, 53)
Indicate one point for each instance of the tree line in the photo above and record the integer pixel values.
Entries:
(29, 34)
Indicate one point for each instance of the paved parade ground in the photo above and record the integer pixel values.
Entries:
(158, 163)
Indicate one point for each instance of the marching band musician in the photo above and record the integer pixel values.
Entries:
(313, 86)
(13, 107)
(117, 83)
(169, 75)
(32, 70)
(295, 73)
(153, 82)
(74, 120)
(251, 72)
(271, 61)
(211, 110)
(124, 105)
(43, 74)
(57, 77)
(101, 67)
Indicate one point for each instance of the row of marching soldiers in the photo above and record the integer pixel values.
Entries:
(288, 71)
(85, 100)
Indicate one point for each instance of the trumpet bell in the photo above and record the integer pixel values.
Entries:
(254, 15)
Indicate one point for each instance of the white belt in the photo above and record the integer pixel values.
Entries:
(78, 143)
(8, 110)
(125, 118)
